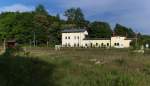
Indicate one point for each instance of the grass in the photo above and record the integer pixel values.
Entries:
(85, 67)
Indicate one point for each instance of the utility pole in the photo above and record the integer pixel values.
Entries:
(136, 40)
(47, 43)
(30, 43)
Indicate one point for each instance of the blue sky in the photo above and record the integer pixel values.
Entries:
(131, 13)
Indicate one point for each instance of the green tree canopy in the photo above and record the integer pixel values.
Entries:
(46, 27)
(75, 16)
(41, 10)
(123, 31)
(100, 30)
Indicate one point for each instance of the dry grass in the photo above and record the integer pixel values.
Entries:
(109, 67)
(76, 67)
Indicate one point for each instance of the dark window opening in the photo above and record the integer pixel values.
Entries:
(102, 44)
(78, 37)
(117, 44)
(96, 44)
(78, 45)
(68, 37)
(107, 44)
(75, 45)
(91, 44)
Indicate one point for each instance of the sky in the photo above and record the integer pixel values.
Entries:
(134, 14)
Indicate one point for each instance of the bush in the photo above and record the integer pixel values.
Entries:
(21, 71)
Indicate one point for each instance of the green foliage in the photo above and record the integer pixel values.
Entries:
(22, 26)
(75, 16)
(41, 10)
(146, 40)
(123, 31)
(94, 77)
(22, 71)
(100, 30)
(40, 26)
(13, 51)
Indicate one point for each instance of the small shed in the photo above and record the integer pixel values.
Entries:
(11, 43)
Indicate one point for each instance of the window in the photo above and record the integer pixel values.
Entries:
(74, 45)
(102, 44)
(78, 37)
(107, 44)
(86, 45)
(65, 37)
(96, 44)
(117, 44)
(91, 44)
(68, 37)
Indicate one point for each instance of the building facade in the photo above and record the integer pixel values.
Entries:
(78, 38)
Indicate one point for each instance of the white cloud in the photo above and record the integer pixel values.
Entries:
(16, 7)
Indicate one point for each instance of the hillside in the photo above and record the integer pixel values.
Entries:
(41, 28)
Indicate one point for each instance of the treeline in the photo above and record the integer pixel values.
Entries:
(40, 26)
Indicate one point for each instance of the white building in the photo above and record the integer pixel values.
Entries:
(78, 38)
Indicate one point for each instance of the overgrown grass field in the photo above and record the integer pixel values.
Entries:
(77, 67)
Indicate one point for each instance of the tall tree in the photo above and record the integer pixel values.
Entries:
(100, 30)
(41, 24)
(123, 31)
(75, 16)
(41, 10)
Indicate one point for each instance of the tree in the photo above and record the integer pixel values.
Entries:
(123, 31)
(146, 40)
(100, 30)
(75, 16)
(41, 24)
(131, 33)
(41, 10)
(58, 17)
(23, 26)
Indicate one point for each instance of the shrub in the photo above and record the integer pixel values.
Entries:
(22, 71)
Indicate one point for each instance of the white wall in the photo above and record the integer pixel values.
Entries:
(120, 42)
(75, 39)
(96, 43)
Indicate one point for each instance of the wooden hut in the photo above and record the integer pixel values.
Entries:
(11, 43)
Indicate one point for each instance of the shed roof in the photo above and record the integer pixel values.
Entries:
(73, 30)
(11, 40)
